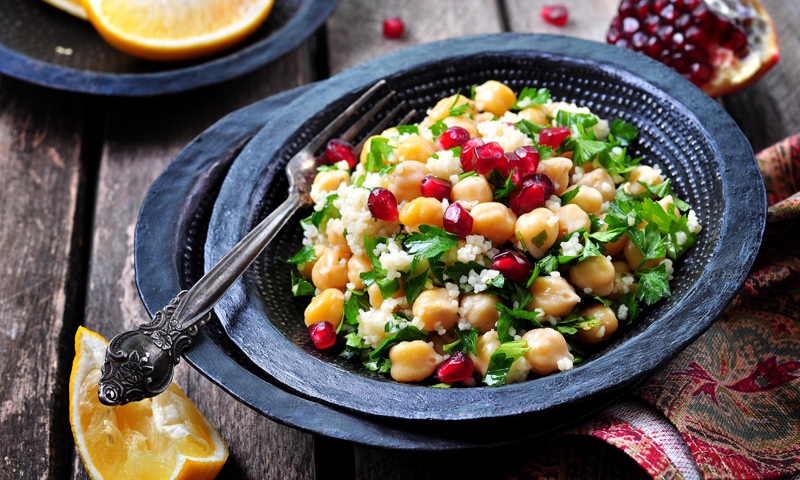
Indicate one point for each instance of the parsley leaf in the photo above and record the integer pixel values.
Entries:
(629, 301)
(539, 239)
(305, 255)
(301, 287)
(438, 128)
(623, 132)
(320, 218)
(379, 151)
(386, 169)
(459, 110)
(380, 365)
(407, 334)
(408, 129)
(649, 242)
(469, 338)
(545, 151)
(501, 361)
(608, 236)
(676, 249)
(353, 306)
(430, 241)
(413, 286)
(617, 163)
(590, 249)
(569, 195)
(529, 97)
(507, 188)
(388, 287)
(464, 175)
(528, 128)
(584, 149)
(653, 285)
(548, 264)
(663, 189)
(568, 119)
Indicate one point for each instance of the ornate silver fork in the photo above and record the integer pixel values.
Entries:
(140, 363)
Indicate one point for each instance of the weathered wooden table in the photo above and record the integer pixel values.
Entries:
(74, 170)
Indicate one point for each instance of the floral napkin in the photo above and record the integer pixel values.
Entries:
(728, 407)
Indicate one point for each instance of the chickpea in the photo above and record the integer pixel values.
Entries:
(328, 306)
(615, 247)
(480, 311)
(367, 145)
(571, 218)
(413, 361)
(485, 347)
(558, 170)
(554, 295)
(484, 117)
(328, 181)
(643, 173)
(634, 258)
(335, 231)
(390, 132)
(305, 268)
(667, 203)
(376, 297)
(595, 273)
(443, 107)
(621, 273)
(422, 211)
(531, 225)
(330, 271)
(535, 115)
(598, 333)
(494, 221)
(464, 122)
(472, 189)
(436, 310)
(547, 347)
(494, 97)
(355, 267)
(415, 148)
(588, 198)
(404, 181)
(601, 181)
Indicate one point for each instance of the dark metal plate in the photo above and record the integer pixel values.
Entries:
(31, 31)
(686, 132)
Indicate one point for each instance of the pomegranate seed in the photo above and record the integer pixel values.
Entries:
(680, 63)
(653, 47)
(435, 187)
(393, 28)
(553, 137)
(613, 35)
(466, 153)
(666, 33)
(487, 157)
(683, 22)
(626, 8)
(453, 137)
(696, 54)
(642, 9)
(659, 5)
(457, 368)
(737, 40)
(639, 41)
(512, 162)
(669, 14)
(546, 182)
(678, 41)
(630, 26)
(512, 265)
(704, 18)
(530, 160)
(323, 334)
(557, 15)
(338, 150)
(531, 194)
(692, 4)
(622, 43)
(382, 204)
(651, 24)
(457, 220)
(700, 73)
(695, 36)
(723, 29)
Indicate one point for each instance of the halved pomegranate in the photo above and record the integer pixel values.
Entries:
(719, 45)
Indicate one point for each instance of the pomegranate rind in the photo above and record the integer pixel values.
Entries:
(740, 74)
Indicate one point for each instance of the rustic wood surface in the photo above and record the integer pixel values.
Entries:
(75, 169)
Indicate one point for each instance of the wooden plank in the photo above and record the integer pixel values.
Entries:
(768, 110)
(355, 29)
(41, 195)
(142, 136)
(588, 19)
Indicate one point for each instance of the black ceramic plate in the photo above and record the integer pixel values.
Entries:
(696, 143)
(33, 33)
(169, 257)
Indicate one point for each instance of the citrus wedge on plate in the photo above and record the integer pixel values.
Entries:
(165, 437)
(73, 7)
(170, 31)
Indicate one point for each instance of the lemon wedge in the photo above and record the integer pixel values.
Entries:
(171, 31)
(72, 7)
(165, 437)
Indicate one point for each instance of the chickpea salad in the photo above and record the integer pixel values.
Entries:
(498, 239)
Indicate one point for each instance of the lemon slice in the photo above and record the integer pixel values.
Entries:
(73, 7)
(159, 438)
(169, 31)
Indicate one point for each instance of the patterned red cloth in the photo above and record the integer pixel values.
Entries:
(730, 403)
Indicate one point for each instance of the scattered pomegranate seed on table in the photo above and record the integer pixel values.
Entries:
(338, 150)
(323, 334)
(435, 187)
(512, 265)
(557, 15)
(393, 28)
(382, 204)
(457, 220)
(457, 368)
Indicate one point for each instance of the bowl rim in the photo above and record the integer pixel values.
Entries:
(233, 64)
(737, 246)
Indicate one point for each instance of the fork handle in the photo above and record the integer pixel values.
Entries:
(140, 363)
